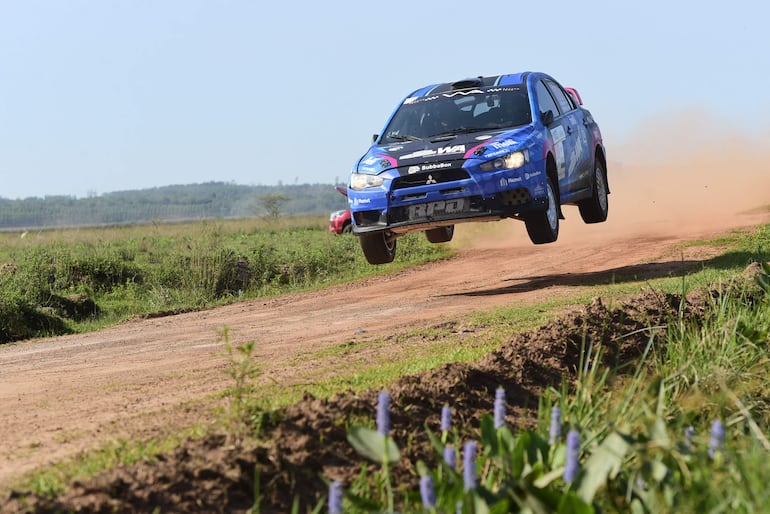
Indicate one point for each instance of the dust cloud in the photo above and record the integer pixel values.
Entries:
(688, 175)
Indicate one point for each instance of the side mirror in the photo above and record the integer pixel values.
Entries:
(374, 137)
(547, 117)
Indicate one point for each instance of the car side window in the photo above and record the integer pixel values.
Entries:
(544, 100)
(565, 105)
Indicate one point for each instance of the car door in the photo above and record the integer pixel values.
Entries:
(575, 145)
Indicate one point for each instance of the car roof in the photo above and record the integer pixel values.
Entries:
(473, 82)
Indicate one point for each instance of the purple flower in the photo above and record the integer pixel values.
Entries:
(716, 437)
(450, 456)
(335, 497)
(499, 407)
(426, 491)
(572, 466)
(555, 429)
(383, 413)
(469, 465)
(689, 433)
(446, 418)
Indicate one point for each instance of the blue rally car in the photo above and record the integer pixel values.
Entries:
(511, 146)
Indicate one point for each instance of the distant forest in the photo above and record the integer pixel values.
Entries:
(209, 200)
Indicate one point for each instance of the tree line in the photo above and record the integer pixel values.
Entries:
(208, 200)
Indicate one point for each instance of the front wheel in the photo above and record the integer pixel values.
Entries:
(378, 249)
(440, 234)
(594, 209)
(543, 227)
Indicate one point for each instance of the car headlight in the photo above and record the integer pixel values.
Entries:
(359, 181)
(509, 161)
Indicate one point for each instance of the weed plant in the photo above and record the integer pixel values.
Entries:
(243, 417)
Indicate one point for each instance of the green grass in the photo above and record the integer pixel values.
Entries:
(54, 479)
(158, 269)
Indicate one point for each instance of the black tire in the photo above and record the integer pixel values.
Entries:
(347, 229)
(595, 209)
(543, 227)
(440, 234)
(377, 248)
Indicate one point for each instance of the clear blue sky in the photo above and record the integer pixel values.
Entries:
(108, 95)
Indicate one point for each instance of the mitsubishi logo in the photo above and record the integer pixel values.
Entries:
(430, 180)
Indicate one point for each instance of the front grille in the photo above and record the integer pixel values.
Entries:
(365, 218)
(439, 176)
(513, 197)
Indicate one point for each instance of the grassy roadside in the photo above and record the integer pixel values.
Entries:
(474, 336)
(69, 281)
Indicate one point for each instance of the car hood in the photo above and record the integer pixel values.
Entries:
(441, 152)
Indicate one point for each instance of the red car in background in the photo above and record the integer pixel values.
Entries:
(339, 221)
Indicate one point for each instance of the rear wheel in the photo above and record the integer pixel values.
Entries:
(378, 249)
(440, 234)
(543, 227)
(594, 209)
(348, 228)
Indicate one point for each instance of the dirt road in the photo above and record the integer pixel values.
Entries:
(63, 395)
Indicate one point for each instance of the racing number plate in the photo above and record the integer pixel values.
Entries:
(429, 210)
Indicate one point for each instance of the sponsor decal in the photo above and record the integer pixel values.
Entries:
(427, 210)
(451, 149)
(413, 169)
(463, 93)
(506, 181)
(528, 176)
(502, 144)
(496, 153)
(560, 162)
(418, 154)
(382, 160)
(436, 166)
(577, 150)
(558, 135)
(446, 150)
(362, 201)
(416, 99)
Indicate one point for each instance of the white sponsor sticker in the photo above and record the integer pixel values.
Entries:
(558, 134)
(446, 150)
(502, 144)
(436, 166)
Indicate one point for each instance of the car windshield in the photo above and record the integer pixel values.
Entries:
(455, 112)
